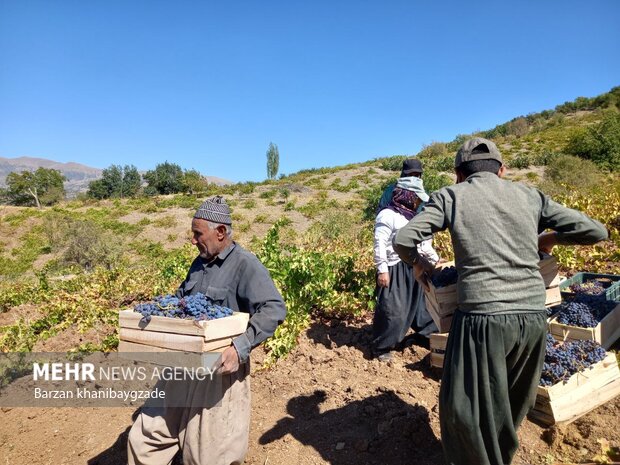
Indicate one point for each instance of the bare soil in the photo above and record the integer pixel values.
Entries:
(328, 402)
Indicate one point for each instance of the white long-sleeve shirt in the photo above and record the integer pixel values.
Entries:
(387, 224)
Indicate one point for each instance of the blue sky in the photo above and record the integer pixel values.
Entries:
(209, 84)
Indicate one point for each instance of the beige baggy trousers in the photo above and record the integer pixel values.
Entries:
(213, 435)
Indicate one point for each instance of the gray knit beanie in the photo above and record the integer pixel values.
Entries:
(214, 209)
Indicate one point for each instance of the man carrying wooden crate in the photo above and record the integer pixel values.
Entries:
(232, 277)
(496, 345)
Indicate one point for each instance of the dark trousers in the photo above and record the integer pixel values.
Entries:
(491, 372)
(400, 306)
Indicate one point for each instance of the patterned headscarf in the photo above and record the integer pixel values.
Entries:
(403, 202)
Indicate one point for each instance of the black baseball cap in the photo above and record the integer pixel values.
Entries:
(410, 166)
(477, 148)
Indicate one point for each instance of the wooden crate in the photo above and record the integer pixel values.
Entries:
(438, 343)
(605, 333)
(441, 302)
(583, 392)
(174, 334)
(549, 270)
(611, 293)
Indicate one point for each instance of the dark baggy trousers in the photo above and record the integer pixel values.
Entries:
(400, 306)
(491, 372)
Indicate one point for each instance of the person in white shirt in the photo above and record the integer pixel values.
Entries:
(400, 298)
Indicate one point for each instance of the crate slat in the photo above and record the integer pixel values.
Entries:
(181, 342)
(162, 340)
(150, 354)
(213, 329)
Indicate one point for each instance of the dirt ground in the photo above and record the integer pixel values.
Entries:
(326, 403)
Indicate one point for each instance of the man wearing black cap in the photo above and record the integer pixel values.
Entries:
(232, 277)
(496, 346)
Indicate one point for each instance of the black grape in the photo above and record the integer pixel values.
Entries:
(193, 307)
(562, 360)
(446, 277)
(585, 310)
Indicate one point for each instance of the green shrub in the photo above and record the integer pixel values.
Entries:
(89, 245)
(520, 161)
(599, 143)
(544, 158)
(249, 204)
(372, 195)
(245, 188)
(268, 194)
(312, 281)
(569, 173)
(167, 221)
(393, 163)
(434, 181)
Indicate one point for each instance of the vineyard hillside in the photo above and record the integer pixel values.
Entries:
(66, 271)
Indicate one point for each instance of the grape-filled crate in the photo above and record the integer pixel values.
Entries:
(186, 325)
(589, 313)
(578, 376)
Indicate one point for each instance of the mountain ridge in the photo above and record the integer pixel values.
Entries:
(78, 175)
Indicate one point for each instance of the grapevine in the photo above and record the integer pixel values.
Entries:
(193, 307)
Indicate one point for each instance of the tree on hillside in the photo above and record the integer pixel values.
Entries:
(41, 187)
(599, 143)
(194, 182)
(116, 181)
(273, 160)
(166, 178)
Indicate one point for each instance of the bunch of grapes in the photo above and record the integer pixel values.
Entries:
(194, 307)
(585, 310)
(592, 287)
(575, 313)
(562, 360)
(553, 310)
(445, 277)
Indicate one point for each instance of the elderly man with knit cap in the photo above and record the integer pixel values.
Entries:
(214, 428)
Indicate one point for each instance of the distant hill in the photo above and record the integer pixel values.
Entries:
(78, 175)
